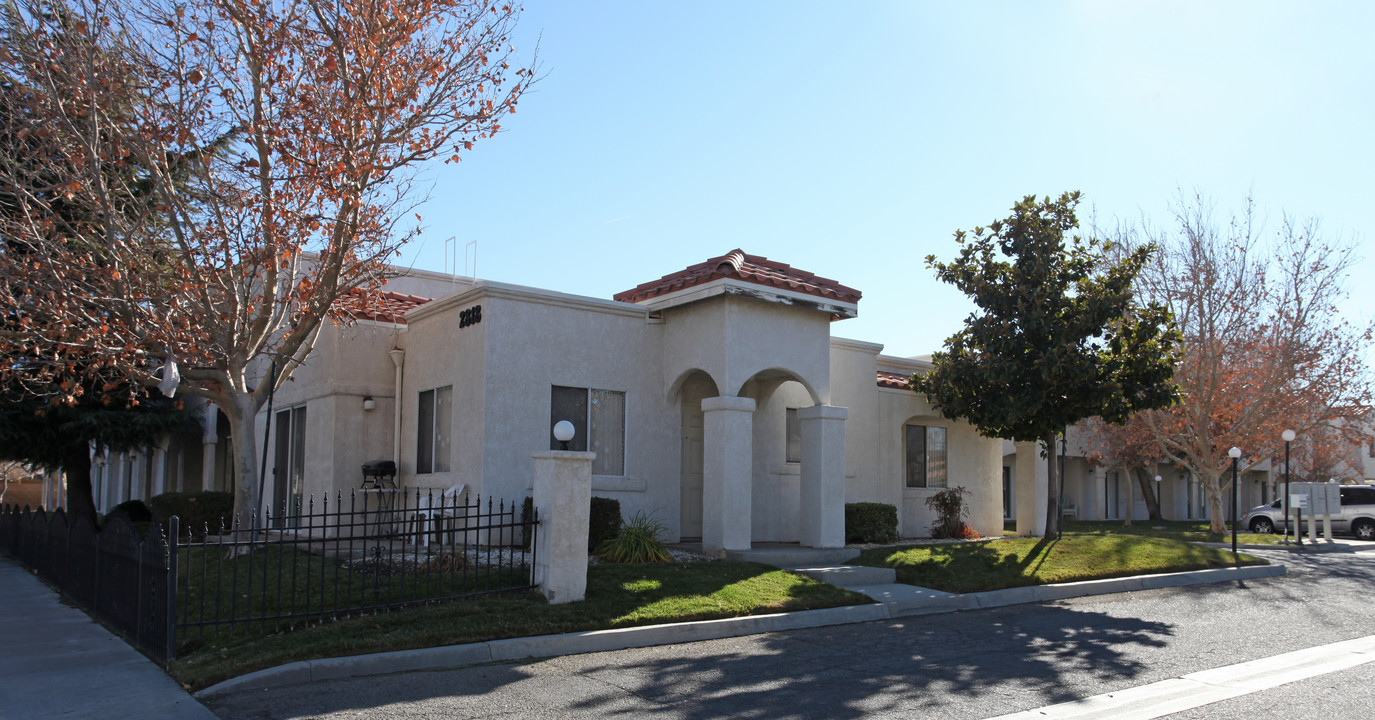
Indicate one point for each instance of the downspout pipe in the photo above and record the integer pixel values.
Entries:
(398, 358)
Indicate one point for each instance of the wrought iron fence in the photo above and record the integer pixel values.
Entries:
(367, 552)
(371, 550)
(119, 577)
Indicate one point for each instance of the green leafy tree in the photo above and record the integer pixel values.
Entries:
(1057, 336)
(48, 434)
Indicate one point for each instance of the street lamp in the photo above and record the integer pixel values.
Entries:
(1235, 454)
(1060, 521)
(1288, 436)
(1159, 503)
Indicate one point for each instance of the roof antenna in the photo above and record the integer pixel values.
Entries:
(451, 260)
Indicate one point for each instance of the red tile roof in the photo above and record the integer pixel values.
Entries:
(750, 268)
(894, 380)
(381, 306)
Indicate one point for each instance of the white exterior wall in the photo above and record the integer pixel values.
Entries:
(974, 462)
(347, 364)
(440, 354)
(536, 340)
(502, 370)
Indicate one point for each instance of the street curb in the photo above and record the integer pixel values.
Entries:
(545, 646)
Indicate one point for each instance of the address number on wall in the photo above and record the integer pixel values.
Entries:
(471, 316)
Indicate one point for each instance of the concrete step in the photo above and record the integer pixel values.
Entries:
(849, 575)
(794, 556)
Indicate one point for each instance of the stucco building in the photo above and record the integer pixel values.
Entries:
(717, 400)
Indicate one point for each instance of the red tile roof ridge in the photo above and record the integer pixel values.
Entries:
(749, 268)
(377, 305)
(897, 380)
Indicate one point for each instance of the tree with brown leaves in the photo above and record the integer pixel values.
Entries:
(272, 149)
(1265, 346)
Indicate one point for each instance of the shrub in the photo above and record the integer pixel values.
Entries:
(603, 522)
(950, 509)
(870, 522)
(135, 510)
(196, 511)
(637, 542)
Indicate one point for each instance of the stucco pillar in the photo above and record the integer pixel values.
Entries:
(727, 473)
(1030, 472)
(209, 440)
(1099, 508)
(563, 498)
(159, 479)
(822, 516)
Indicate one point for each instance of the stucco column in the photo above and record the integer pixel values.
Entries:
(1097, 485)
(727, 474)
(159, 480)
(209, 440)
(1031, 490)
(563, 498)
(822, 517)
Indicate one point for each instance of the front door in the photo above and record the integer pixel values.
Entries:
(692, 470)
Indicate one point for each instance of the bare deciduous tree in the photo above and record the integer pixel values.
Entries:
(198, 182)
(1265, 346)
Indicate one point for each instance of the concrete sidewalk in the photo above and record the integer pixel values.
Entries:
(57, 662)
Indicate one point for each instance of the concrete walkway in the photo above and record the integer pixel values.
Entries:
(55, 662)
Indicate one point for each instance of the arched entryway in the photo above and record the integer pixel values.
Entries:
(693, 388)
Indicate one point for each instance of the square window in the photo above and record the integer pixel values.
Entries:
(925, 450)
(598, 418)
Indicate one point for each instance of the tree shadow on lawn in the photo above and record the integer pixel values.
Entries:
(952, 664)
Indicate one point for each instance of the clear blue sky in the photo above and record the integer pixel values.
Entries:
(852, 139)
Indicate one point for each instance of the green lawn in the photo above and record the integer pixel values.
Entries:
(1014, 562)
(1188, 530)
(617, 596)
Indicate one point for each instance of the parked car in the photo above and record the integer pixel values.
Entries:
(1357, 516)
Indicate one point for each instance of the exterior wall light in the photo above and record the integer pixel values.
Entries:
(369, 403)
(563, 432)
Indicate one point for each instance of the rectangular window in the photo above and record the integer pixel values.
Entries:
(433, 430)
(289, 468)
(598, 418)
(1111, 498)
(926, 456)
(792, 437)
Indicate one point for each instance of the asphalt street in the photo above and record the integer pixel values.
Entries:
(973, 664)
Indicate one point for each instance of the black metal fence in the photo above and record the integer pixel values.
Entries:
(119, 577)
(363, 553)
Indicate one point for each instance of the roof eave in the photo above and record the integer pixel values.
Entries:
(838, 310)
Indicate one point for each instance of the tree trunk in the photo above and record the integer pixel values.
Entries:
(1216, 507)
(1145, 480)
(1053, 494)
(76, 463)
(241, 412)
